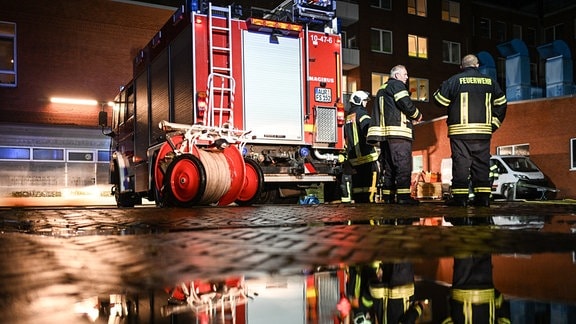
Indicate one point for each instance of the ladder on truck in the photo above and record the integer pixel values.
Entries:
(221, 84)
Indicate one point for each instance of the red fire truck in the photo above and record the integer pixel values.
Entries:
(224, 109)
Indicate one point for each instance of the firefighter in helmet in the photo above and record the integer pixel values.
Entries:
(360, 169)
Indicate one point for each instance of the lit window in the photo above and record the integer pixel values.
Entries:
(417, 7)
(7, 54)
(417, 46)
(419, 89)
(517, 149)
(381, 41)
(450, 52)
(573, 154)
(377, 80)
(451, 11)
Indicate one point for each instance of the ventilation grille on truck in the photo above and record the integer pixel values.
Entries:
(326, 125)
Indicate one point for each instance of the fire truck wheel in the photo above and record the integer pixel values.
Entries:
(185, 181)
(253, 184)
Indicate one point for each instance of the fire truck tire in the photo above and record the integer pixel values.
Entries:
(253, 184)
(185, 181)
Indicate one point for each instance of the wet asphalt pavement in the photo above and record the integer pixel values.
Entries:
(55, 259)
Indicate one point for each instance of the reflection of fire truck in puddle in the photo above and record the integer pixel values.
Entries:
(223, 109)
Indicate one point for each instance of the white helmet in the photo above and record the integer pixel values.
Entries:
(358, 96)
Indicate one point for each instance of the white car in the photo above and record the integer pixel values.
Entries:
(518, 178)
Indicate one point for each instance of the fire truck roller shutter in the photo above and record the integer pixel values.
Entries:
(273, 87)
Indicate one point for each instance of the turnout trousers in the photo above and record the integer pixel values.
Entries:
(397, 162)
(471, 163)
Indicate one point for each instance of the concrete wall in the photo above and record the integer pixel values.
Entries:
(547, 125)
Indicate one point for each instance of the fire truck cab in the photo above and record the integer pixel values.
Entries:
(224, 108)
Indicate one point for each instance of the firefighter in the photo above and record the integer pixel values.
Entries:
(473, 298)
(476, 108)
(392, 294)
(393, 117)
(360, 167)
(358, 293)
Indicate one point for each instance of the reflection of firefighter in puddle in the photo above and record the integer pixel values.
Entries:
(360, 170)
(389, 297)
(473, 298)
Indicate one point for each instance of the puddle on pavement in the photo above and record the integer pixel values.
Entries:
(524, 287)
(501, 286)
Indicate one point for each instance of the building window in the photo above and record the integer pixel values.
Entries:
(382, 4)
(103, 156)
(418, 89)
(573, 154)
(46, 154)
(553, 33)
(14, 153)
(450, 52)
(516, 149)
(80, 156)
(417, 7)
(530, 37)
(484, 28)
(381, 41)
(377, 80)
(500, 31)
(7, 54)
(417, 46)
(516, 31)
(352, 43)
(451, 11)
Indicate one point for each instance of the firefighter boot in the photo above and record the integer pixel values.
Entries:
(346, 187)
(457, 200)
(406, 199)
(387, 196)
(481, 199)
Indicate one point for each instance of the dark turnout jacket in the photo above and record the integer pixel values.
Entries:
(476, 104)
(393, 113)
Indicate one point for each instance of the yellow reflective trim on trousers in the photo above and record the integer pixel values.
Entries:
(475, 297)
(364, 159)
(405, 291)
(456, 191)
(483, 190)
(403, 191)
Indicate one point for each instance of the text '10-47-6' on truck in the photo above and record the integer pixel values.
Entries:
(228, 109)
